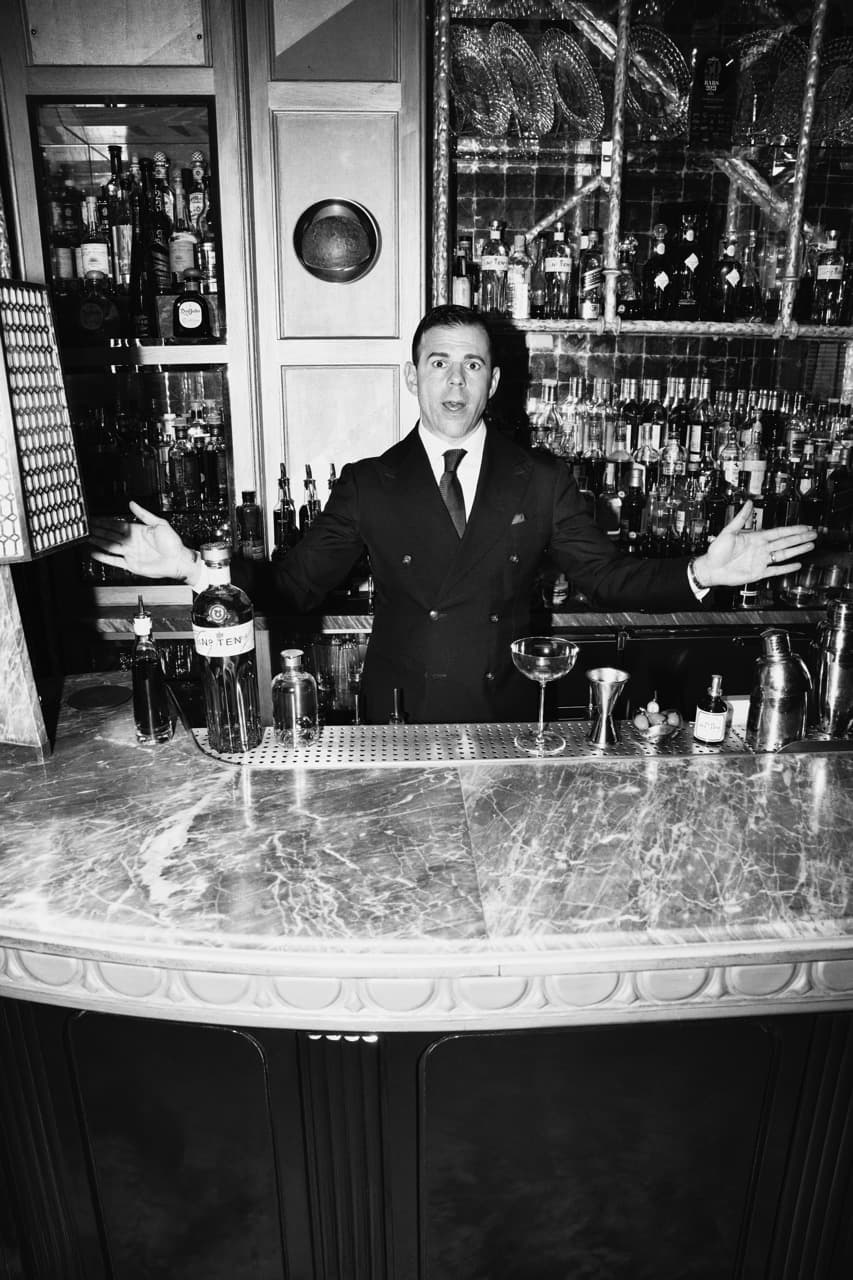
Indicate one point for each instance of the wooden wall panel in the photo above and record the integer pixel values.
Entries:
(329, 155)
(334, 40)
(168, 33)
(336, 414)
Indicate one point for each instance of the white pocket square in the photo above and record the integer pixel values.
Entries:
(518, 518)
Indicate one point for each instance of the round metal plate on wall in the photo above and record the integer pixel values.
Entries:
(337, 240)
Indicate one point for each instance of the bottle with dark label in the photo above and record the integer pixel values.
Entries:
(250, 526)
(591, 279)
(687, 272)
(156, 229)
(184, 471)
(724, 288)
(150, 695)
(629, 295)
(224, 635)
(712, 712)
(191, 312)
(658, 278)
(714, 99)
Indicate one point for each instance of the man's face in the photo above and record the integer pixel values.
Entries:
(453, 379)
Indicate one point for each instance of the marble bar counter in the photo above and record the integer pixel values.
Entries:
(163, 883)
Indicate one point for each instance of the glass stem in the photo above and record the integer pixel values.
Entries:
(541, 732)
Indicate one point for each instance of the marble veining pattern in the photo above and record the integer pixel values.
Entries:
(113, 850)
(666, 850)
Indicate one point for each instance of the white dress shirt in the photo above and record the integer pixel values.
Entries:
(468, 470)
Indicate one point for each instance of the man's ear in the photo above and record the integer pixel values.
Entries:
(410, 375)
(496, 377)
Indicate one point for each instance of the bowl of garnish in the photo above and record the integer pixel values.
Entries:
(654, 724)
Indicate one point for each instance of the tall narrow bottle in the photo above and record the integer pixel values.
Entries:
(150, 696)
(493, 269)
(558, 276)
(519, 267)
(827, 295)
(224, 634)
(286, 531)
(687, 272)
(591, 279)
(311, 506)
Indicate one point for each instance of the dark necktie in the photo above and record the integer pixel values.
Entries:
(451, 489)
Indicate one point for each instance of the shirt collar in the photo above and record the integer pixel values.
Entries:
(436, 447)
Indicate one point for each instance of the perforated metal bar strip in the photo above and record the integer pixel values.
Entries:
(372, 746)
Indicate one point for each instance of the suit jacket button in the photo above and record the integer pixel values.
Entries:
(513, 558)
(494, 617)
(433, 613)
(490, 675)
(407, 559)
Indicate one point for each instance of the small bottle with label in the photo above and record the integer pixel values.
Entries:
(191, 312)
(712, 713)
(150, 696)
(294, 702)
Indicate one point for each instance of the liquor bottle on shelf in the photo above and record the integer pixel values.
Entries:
(608, 505)
(713, 99)
(712, 712)
(658, 278)
(191, 312)
(286, 530)
(558, 276)
(156, 229)
(184, 242)
(224, 635)
(724, 287)
(117, 219)
(807, 277)
(751, 301)
(311, 506)
(518, 271)
(632, 522)
(150, 695)
(493, 270)
(215, 465)
(250, 526)
(591, 279)
(164, 193)
(461, 292)
(827, 305)
(629, 293)
(95, 244)
(197, 194)
(770, 262)
(294, 702)
(646, 456)
(98, 319)
(184, 471)
(142, 312)
(687, 272)
(539, 282)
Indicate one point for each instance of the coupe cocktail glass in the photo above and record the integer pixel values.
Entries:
(542, 658)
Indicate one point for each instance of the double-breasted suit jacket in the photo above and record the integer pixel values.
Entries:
(446, 608)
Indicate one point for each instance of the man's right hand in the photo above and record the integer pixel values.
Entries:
(147, 547)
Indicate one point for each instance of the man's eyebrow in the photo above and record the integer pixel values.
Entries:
(469, 355)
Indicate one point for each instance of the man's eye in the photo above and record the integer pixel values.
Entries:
(438, 364)
(475, 365)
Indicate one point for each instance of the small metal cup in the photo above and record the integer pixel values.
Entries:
(605, 686)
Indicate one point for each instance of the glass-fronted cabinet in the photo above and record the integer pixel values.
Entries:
(129, 218)
(652, 202)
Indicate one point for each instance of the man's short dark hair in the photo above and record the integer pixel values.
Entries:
(453, 316)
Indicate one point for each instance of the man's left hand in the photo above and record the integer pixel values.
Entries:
(738, 555)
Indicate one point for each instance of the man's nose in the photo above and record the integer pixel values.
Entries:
(456, 374)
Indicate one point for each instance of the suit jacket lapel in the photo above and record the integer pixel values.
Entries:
(504, 477)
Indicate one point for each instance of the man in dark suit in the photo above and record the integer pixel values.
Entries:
(455, 519)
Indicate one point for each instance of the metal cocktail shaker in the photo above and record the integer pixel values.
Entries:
(834, 669)
(779, 702)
